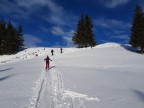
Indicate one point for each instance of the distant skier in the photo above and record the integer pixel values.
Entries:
(47, 59)
(52, 51)
(61, 50)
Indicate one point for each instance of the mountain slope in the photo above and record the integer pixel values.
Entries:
(112, 74)
(107, 76)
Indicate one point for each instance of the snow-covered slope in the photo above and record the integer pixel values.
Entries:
(107, 76)
(29, 54)
(106, 45)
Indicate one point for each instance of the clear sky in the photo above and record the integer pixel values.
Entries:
(51, 23)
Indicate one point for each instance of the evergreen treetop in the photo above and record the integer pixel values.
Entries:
(84, 36)
(11, 39)
(137, 29)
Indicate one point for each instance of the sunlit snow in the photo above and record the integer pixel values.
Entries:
(106, 76)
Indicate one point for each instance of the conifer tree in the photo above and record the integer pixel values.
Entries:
(89, 32)
(11, 39)
(137, 29)
(20, 38)
(2, 36)
(84, 36)
(77, 36)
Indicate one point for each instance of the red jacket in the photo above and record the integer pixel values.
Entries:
(47, 59)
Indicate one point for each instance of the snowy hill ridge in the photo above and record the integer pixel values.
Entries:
(106, 45)
(30, 53)
(33, 52)
(107, 76)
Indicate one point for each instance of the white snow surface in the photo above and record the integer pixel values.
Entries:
(106, 76)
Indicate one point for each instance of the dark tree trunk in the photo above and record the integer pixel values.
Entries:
(142, 48)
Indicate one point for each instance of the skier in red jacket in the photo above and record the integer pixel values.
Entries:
(47, 59)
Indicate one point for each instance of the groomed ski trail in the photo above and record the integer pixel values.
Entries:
(50, 93)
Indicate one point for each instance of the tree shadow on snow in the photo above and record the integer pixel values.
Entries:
(5, 69)
(6, 77)
(130, 48)
(139, 94)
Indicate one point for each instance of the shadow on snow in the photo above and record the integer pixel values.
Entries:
(130, 48)
(6, 77)
(139, 94)
(50, 68)
(5, 69)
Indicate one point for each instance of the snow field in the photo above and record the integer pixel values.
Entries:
(106, 76)
(113, 74)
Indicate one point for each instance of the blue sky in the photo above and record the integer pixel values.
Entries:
(51, 23)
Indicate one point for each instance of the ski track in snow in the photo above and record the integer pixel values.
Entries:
(117, 78)
(49, 92)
